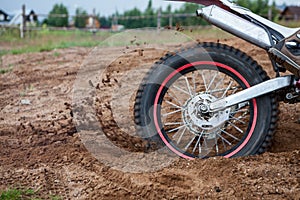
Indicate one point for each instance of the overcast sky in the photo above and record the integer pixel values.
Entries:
(104, 7)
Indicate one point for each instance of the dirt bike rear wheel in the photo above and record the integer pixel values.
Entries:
(171, 105)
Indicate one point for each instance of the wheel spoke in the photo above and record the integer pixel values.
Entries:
(175, 135)
(234, 90)
(238, 119)
(204, 81)
(218, 83)
(224, 145)
(189, 144)
(239, 111)
(170, 113)
(237, 128)
(229, 86)
(174, 97)
(224, 138)
(212, 80)
(173, 123)
(217, 147)
(175, 129)
(205, 143)
(198, 141)
(194, 83)
(200, 149)
(222, 90)
(188, 86)
(182, 133)
(176, 106)
(223, 131)
(181, 90)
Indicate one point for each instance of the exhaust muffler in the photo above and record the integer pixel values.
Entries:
(236, 25)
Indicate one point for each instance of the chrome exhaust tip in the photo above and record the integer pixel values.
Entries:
(199, 12)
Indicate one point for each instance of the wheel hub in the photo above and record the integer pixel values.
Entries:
(203, 108)
(198, 117)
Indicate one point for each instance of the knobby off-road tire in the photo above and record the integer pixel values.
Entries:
(171, 107)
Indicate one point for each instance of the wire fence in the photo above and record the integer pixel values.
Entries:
(29, 22)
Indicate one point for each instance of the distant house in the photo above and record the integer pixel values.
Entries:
(92, 22)
(31, 17)
(290, 13)
(10, 20)
(4, 17)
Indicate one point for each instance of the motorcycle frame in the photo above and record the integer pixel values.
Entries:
(250, 27)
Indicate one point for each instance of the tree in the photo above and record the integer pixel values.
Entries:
(104, 22)
(260, 7)
(80, 18)
(188, 8)
(151, 21)
(58, 16)
(275, 11)
(165, 21)
(132, 23)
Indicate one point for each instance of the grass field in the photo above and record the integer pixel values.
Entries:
(45, 40)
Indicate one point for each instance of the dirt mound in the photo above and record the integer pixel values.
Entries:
(40, 147)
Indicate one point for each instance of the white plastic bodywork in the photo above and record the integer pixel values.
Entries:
(245, 29)
(285, 31)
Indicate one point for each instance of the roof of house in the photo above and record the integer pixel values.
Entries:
(4, 17)
(2, 12)
(292, 10)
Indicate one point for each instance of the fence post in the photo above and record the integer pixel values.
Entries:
(159, 20)
(114, 22)
(270, 14)
(94, 21)
(23, 24)
(171, 21)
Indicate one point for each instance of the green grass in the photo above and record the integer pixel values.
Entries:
(144, 37)
(6, 70)
(19, 194)
(11, 194)
(206, 33)
(55, 198)
(291, 24)
(46, 40)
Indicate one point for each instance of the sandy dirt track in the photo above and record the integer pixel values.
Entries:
(40, 146)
